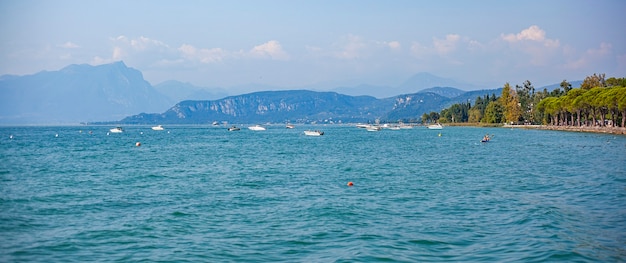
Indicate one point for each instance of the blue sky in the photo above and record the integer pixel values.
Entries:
(294, 44)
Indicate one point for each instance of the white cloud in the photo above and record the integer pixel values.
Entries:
(69, 45)
(447, 45)
(394, 45)
(144, 43)
(271, 49)
(203, 55)
(534, 34)
(418, 50)
(351, 47)
(532, 42)
(590, 57)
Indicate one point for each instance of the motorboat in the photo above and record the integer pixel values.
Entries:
(157, 128)
(373, 128)
(256, 128)
(234, 128)
(437, 126)
(313, 133)
(290, 126)
(116, 130)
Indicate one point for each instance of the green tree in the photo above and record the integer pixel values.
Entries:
(509, 101)
(593, 81)
(616, 82)
(525, 95)
(475, 115)
(494, 112)
(425, 118)
(574, 105)
(566, 86)
(433, 116)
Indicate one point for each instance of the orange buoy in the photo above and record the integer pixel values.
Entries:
(350, 184)
(138, 144)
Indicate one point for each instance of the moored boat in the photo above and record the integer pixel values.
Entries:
(234, 128)
(437, 126)
(116, 130)
(313, 133)
(256, 128)
(158, 128)
(373, 128)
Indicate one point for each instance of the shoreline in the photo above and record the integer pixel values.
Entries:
(591, 129)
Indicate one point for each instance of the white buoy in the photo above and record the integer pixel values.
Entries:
(11, 136)
(107, 133)
(56, 135)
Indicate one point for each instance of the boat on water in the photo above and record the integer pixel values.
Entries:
(158, 128)
(290, 126)
(116, 130)
(256, 128)
(313, 133)
(486, 138)
(373, 128)
(437, 126)
(234, 128)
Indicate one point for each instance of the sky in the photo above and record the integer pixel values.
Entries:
(294, 44)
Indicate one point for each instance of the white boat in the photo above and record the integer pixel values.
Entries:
(362, 126)
(157, 128)
(290, 126)
(435, 126)
(256, 128)
(116, 130)
(373, 128)
(234, 128)
(313, 133)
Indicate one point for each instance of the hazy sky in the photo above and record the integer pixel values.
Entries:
(294, 44)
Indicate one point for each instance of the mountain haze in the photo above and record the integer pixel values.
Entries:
(178, 91)
(115, 93)
(77, 93)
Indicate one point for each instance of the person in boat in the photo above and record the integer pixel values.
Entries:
(486, 138)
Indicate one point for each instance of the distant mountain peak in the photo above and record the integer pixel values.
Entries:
(76, 93)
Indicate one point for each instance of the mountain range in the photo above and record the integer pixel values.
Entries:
(78, 93)
(115, 93)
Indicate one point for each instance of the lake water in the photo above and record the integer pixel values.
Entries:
(204, 194)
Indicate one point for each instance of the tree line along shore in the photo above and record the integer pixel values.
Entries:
(598, 105)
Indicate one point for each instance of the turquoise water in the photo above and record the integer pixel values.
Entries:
(203, 194)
